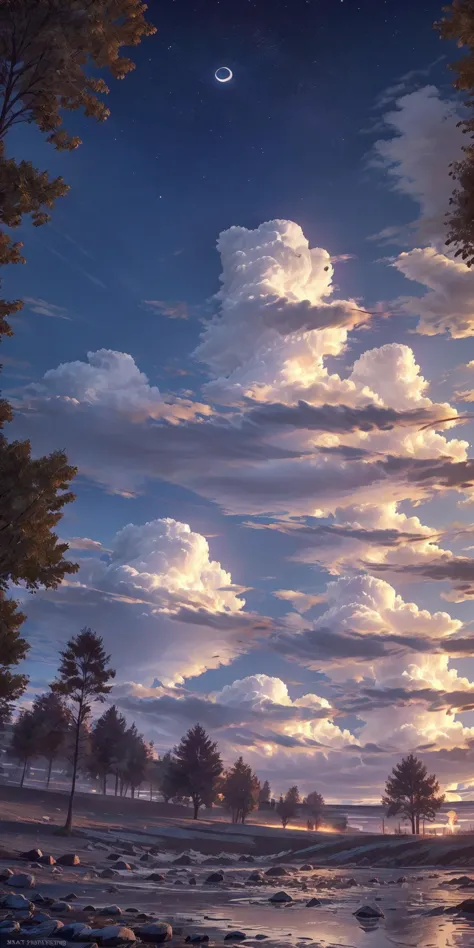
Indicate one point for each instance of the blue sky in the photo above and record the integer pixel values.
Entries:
(174, 425)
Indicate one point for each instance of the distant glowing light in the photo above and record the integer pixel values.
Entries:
(223, 74)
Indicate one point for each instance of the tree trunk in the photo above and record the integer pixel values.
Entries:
(196, 805)
(104, 785)
(68, 823)
(151, 793)
(132, 793)
(417, 824)
(116, 784)
(413, 827)
(24, 773)
(48, 781)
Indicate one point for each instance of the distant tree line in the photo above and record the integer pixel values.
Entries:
(59, 725)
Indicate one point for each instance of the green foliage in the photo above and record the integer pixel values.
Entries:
(195, 769)
(458, 25)
(83, 677)
(412, 793)
(240, 790)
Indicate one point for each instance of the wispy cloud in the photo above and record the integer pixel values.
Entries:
(172, 309)
(43, 308)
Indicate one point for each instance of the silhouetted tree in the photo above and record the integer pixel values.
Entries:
(458, 25)
(83, 677)
(315, 803)
(411, 792)
(136, 759)
(24, 741)
(167, 782)
(107, 744)
(196, 768)
(265, 793)
(286, 806)
(52, 721)
(240, 790)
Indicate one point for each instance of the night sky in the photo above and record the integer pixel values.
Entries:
(262, 549)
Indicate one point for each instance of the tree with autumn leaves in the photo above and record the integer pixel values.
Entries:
(47, 49)
(457, 24)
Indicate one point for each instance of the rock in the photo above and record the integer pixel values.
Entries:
(47, 929)
(183, 860)
(68, 859)
(196, 939)
(42, 917)
(235, 936)
(39, 899)
(21, 880)
(280, 897)
(369, 911)
(147, 857)
(192, 881)
(312, 903)
(132, 911)
(61, 906)
(113, 888)
(178, 882)
(156, 877)
(8, 927)
(374, 881)
(277, 871)
(402, 879)
(214, 877)
(5, 874)
(110, 910)
(306, 868)
(245, 858)
(76, 931)
(108, 874)
(255, 877)
(32, 855)
(17, 902)
(155, 932)
(465, 908)
(47, 860)
(72, 895)
(122, 866)
(113, 856)
(460, 880)
(89, 908)
(112, 935)
(260, 937)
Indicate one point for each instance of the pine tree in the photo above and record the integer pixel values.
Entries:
(196, 768)
(240, 790)
(412, 793)
(108, 737)
(52, 721)
(24, 741)
(83, 677)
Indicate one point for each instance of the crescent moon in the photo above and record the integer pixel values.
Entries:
(225, 78)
